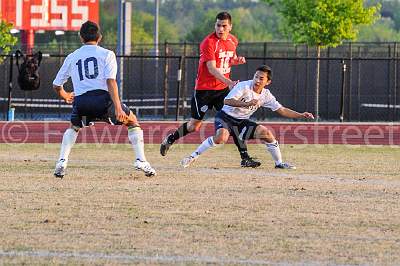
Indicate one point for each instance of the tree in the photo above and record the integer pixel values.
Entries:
(6, 39)
(322, 24)
(382, 31)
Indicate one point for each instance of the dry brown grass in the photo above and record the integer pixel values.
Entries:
(341, 206)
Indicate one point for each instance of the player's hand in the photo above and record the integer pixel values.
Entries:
(233, 83)
(253, 102)
(120, 115)
(308, 115)
(241, 60)
(69, 97)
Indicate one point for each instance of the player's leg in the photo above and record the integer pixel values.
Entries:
(135, 136)
(222, 132)
(221, 137)
(68, 141)
(198, 109)
(272, 145)
(241, 145)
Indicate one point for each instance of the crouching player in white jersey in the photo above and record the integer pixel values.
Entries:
(93, 72)
(243, 100)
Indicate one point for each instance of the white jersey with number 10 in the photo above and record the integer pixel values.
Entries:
(89, 68)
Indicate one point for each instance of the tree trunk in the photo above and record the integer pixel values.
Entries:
(316, 99)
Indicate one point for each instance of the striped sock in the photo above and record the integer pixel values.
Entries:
(207, 143)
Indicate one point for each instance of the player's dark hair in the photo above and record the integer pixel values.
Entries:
(90, 31)
(265, 69)
(224, 16)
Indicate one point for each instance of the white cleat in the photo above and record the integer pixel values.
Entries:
(145, 167)
(187, 161)
(59, 171)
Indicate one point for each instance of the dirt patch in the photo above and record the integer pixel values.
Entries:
(339, 207)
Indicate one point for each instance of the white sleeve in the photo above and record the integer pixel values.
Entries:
(271, 102)
(235, 93)
(64, 73)
(110, 68)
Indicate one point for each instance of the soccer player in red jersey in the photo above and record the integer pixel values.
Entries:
(213, 83)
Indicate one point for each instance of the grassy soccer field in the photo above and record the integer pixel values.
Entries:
(341, 206)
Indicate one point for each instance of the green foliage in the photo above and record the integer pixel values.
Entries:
(204, 27)
(7, 41)
(311, 21)
(382, 31)
(249, 25)
(325, 23)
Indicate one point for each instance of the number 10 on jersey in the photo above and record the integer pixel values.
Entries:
(90, 67)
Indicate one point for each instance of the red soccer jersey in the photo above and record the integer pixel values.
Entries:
(222, 51)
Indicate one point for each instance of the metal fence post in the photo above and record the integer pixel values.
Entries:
(178, 87)
(341, 117)
(10, 86)
(350, 81)
(388, 84)
(395, 59)
(166, 68)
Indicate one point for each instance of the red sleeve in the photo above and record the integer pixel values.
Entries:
(236, 42)
(207, 50)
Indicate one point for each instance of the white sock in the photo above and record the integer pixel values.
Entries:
(135, 136)
(275, 151)
(207, 143)
(68, 141)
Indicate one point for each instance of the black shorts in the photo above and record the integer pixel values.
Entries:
(95, 105)
(204, 100)
(243, 129)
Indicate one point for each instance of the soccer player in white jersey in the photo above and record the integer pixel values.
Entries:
(243, 100)
(93, 71)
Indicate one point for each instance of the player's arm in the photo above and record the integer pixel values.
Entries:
(113, 91)
(68, 97)
(289, 113)
(212, 68)
(238, 60)
(238, 103)
(62, 77)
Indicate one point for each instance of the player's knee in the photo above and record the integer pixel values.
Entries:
(132, 120)
(268, 136)
(221, 137)
(193, 126)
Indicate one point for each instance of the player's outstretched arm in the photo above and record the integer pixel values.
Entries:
(289, 113)
(68, 97)
(113, 90)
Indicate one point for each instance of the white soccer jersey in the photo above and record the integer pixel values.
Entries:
(243, 91)
(89, 68)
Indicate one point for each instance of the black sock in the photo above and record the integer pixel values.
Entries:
(242, 147)
(179, 133)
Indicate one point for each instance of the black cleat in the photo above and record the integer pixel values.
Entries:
(249, 162)
(165, 144)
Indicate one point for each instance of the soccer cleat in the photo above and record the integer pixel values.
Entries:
(249, 162)
(188, 161)
(285, 166)
(165, 144)
(60, 168)
(145, 167)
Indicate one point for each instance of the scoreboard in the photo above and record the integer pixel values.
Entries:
(49, 14)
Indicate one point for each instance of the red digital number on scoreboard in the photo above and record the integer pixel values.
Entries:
(49, 14)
